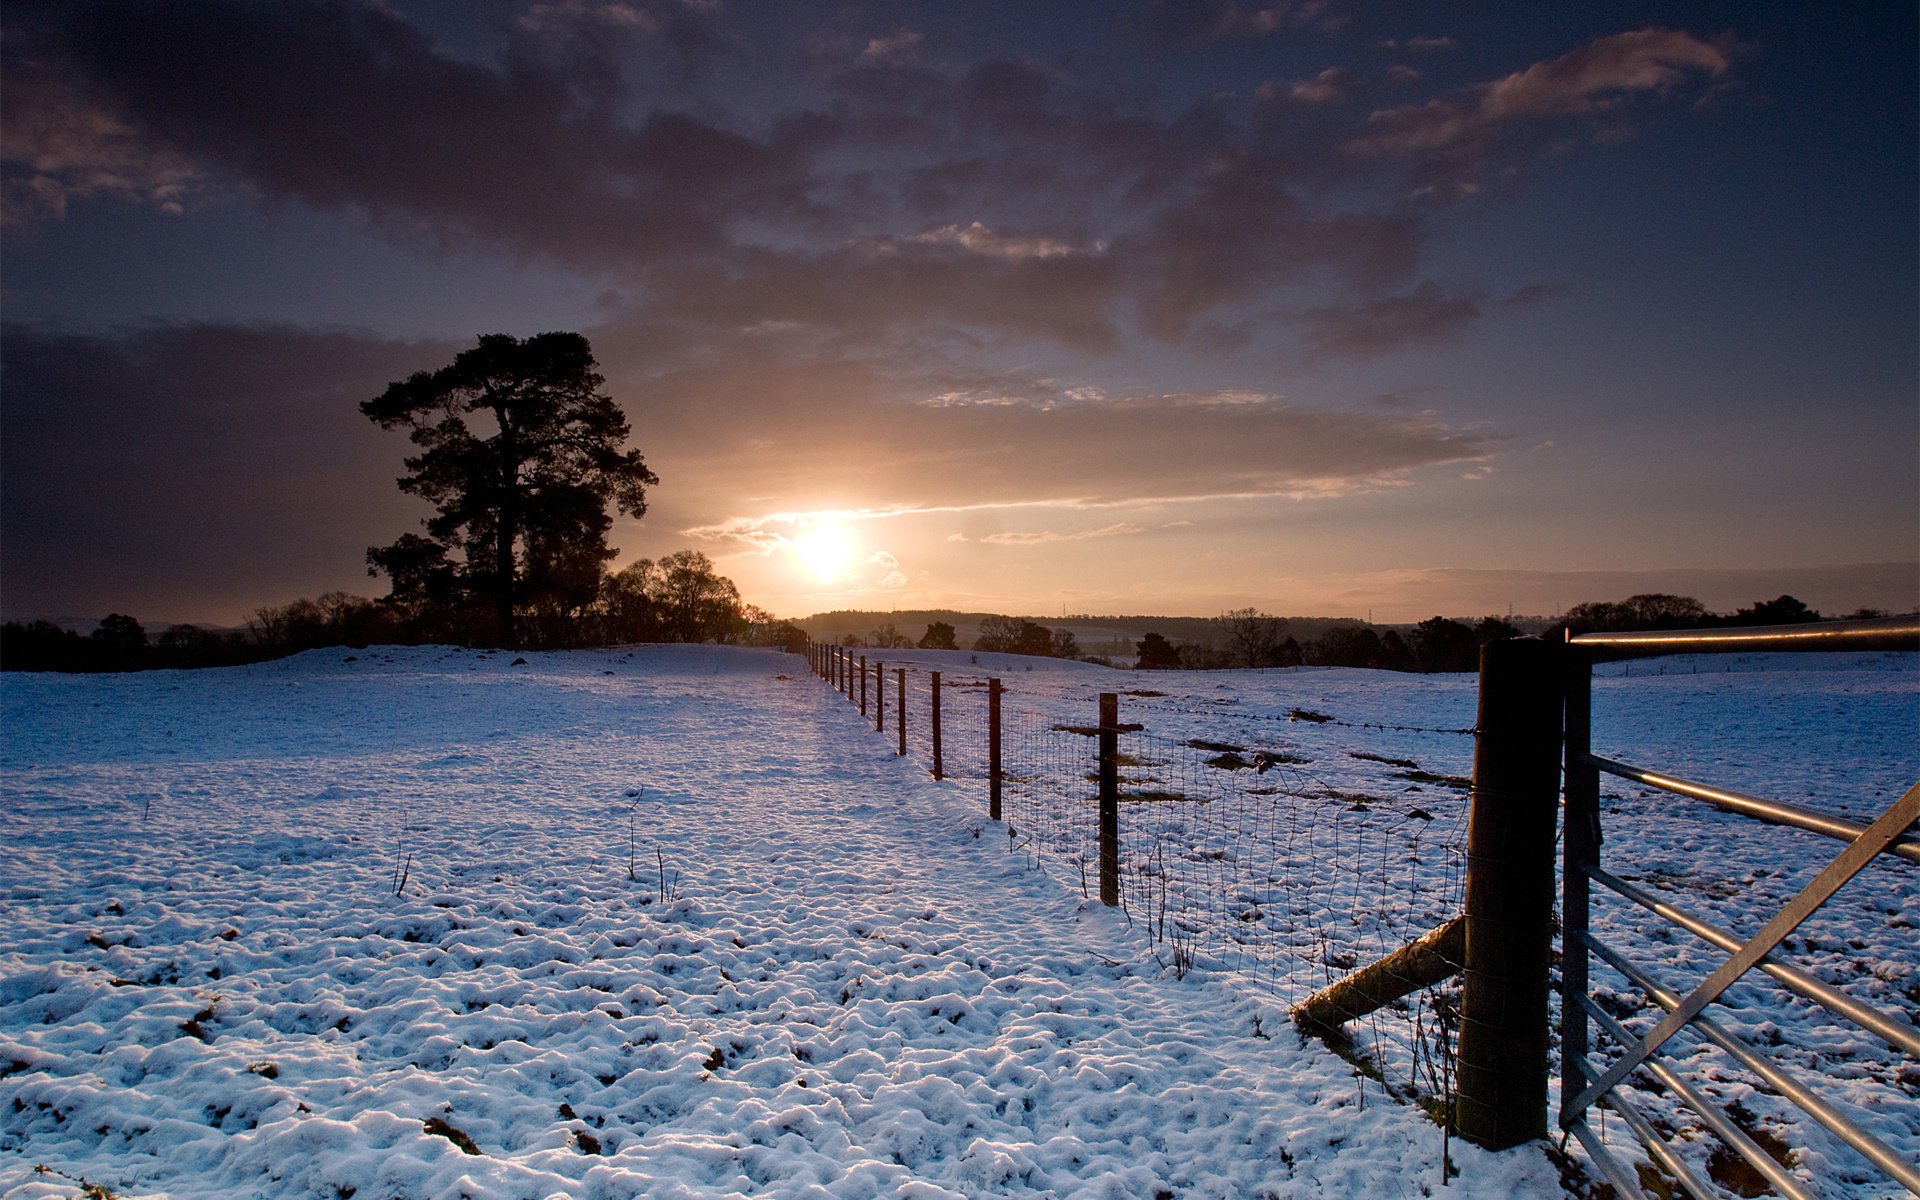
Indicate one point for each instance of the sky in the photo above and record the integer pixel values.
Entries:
(1341, 309)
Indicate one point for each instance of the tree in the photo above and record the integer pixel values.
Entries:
(1156, 653)
(521, 452)
(694, 604)
(1659, 610)
(1784, 610)
(122, 641)
(998, 635)
(1440, 644)
(939, 636)
(1253, 638)
(1494, 629)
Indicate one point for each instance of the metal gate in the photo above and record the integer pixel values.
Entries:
(1887, 843)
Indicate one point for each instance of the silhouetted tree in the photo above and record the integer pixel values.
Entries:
(43, 646)
(1346, 646)
(999, 635)
(694, 604)
(888, 637)
(1659, 610)
(1494, 629)
(939, 636)
(521, 453)
(1253, 638)
(1156, 653)
(1395, 654)
(1198, 656)
(1440, 644)
(121, 641)
(1783, 610)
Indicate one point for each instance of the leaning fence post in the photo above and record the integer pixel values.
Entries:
(879, 697)
(863, 685)
(993, 749)
(1501, 1098)
(939, 767)
(900, 709)
(1109, 798)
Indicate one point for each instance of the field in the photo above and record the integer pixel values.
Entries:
(672, 922)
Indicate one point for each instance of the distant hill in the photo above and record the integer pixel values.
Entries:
(1110, 635)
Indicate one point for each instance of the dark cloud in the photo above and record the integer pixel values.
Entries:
(1192, 23)
(883, 192)
(348, 106)
(1430, 314)
(177, 469)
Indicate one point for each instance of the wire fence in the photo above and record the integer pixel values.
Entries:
(1231, 848)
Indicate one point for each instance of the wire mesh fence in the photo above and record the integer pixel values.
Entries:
(1240, 848)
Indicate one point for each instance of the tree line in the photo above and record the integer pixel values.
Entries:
(679, 598)
(1248, 637)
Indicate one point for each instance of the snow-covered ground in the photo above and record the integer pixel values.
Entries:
(673, 922)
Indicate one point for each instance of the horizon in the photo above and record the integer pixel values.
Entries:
(1146, 309)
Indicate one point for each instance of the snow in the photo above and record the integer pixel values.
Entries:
(671, 921)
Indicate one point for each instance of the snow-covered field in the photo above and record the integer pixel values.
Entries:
(673, 922)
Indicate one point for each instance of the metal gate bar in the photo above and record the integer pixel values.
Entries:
(1584, 1084)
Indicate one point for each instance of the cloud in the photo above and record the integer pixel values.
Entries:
(1043, 537)
(1418, 44)
(1197, 22)
(981, 240)
(193, 468)
(1455, 136)
(1330, 84)
(1428, 315)
(879, 197)
(347, 106)
(600, 16)
(900, 46)
(1119, 451)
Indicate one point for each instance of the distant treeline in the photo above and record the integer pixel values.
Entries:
(1250, 638)
(681, 599)
(677, 599)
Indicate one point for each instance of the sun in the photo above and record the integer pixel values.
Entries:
(825, 549)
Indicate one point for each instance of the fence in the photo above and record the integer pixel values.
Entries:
(1214, 830)
(1237, 853)
(1690, 1101)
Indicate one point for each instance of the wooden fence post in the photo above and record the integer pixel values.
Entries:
(939, 766)
(879, 697)
(993, 749)
(1109, 798)
(863, 685)
(900, 708)
(1501, 1099)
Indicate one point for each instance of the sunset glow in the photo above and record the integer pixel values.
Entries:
(823, 550)
(1152, 307)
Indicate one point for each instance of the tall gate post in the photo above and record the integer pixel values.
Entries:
(879, 697)
(863, 685)
(939, 767)
(993, 749)
(900, 709)
(1109, 798)
(1501, 1099)
(1580, 850)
